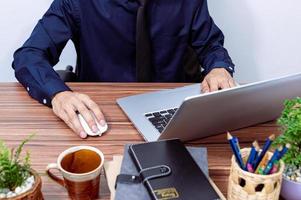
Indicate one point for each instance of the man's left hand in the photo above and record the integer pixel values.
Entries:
(216, 79)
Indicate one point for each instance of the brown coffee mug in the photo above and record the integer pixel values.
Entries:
(80, 167)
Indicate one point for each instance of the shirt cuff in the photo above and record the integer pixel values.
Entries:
(220, 64)
(51, 89)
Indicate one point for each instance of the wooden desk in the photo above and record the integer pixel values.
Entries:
(21, 116)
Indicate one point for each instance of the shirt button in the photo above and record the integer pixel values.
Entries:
(44, 101)
(27, 89)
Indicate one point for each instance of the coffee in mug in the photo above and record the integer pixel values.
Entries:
(81, 161)
(80, 167)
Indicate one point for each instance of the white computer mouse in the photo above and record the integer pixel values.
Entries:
(88, 130)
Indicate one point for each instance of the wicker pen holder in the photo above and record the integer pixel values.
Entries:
(244, 185)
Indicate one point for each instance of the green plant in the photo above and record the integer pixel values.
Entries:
(13, 170)
(290, 121)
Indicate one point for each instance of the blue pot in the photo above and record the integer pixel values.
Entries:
(290, 190)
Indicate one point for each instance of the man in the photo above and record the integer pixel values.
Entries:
(111, 44)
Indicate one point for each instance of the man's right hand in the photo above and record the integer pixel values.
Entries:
(66, 105)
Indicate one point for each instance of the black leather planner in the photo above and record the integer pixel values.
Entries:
(169, 172)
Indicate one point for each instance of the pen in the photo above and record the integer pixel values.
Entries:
(265, 148)
(235, 150)
(271, 162)
(253, 153)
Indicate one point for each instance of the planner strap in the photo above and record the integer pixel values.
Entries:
(144, 175)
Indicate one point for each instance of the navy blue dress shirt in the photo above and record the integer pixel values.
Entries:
(103, 32)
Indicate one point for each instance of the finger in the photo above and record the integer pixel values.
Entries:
(65, 118)
(231, 82)
(94, 108)
(205, 86)
(213, 85)
(73, 128)
(61, 113)
(74, 120)
(224, 84)
(87, 115)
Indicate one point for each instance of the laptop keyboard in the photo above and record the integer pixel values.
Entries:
(161, 118)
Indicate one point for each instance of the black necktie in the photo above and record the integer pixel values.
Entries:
(143, 45)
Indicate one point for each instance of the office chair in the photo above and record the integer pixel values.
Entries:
(67, 75)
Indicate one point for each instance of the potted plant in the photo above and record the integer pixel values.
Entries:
(290, 121)
(17, 180)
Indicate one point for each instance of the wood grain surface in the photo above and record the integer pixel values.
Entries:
(21, 116)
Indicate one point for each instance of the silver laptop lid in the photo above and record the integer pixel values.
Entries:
(231, 109)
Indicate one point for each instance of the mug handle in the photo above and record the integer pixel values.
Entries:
(52, 176)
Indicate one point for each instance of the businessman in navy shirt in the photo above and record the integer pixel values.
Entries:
(104, 34)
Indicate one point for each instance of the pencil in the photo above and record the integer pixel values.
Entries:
(272, 165)
(265, 148)
(250, 168)
(275, 167)
(271, 162)
(252, 155)
(237, 142)
(284, 150)
(263, 163)
(257, 147)
(236, 150)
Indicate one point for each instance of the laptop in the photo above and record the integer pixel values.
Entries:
(187, 114)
